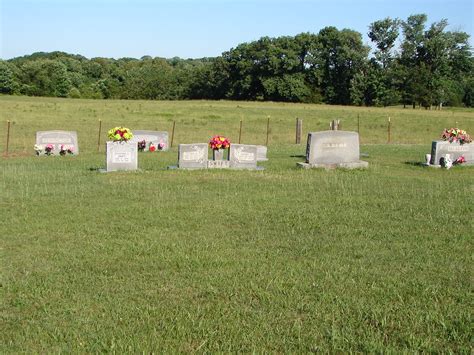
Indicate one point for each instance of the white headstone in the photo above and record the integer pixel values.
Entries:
(122, 156)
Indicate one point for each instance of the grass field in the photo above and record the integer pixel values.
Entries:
(280, 260)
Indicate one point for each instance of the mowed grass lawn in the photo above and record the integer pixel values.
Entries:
(280, 260)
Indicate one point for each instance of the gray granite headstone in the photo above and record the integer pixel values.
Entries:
(192, 156)
(440, 148)
(122, 156)
(154, 137)
(243, 156)
(67, 139)
(333, 149)
(261, 153)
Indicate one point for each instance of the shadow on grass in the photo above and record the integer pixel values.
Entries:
(416, 163)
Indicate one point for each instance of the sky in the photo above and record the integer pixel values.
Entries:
(194, 29)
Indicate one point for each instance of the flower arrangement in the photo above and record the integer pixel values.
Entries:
(120, 134)
(38, 149)
(66, 150)
(219, 142)
(141, 146)
(48, 150)
(151, 147)
(459, 160)
(456, 135)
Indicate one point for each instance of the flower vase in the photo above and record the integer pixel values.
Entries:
(218, 154)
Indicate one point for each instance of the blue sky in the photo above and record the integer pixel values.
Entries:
(194, 29)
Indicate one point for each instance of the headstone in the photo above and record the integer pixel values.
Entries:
(243, 156)
(261, 153)
(66, 139)
(440, 148)
(333, 149)
(192, 156)
(122, 156)
(154, 137)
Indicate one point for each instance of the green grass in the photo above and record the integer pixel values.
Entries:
(280, 260)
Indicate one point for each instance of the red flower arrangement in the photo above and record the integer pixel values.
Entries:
(459, 160)
(219, 142)
(456, 135)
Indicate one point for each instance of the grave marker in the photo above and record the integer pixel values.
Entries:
(333, 149)
(154, 137)
(243, 156)
(122, 156)
(192, 156)
(440, 148)
(66, 139)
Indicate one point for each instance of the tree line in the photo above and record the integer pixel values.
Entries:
(412, 63)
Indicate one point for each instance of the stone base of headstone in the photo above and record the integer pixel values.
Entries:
(352, 165)
(218, 164)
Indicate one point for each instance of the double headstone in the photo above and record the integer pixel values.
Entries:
(158, 139)
(333, 149)
(195, 156)
(439, 149)
(59, 140)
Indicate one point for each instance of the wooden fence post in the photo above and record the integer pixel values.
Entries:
(268, 129)
(8, 137)
(389, 129)
(299, 130)
(100, 132)
(240, 131)
(172, 134)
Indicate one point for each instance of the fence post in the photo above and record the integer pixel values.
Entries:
(100, 132)
(268, 129)
(172, 134)
(299, 130)
(8, 137)
(240, 131)
(389, 129)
